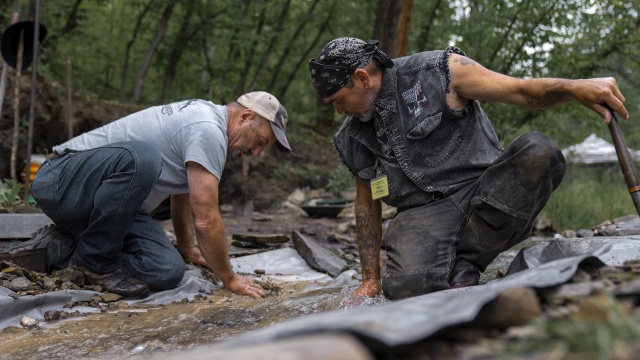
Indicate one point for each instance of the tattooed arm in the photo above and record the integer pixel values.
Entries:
(472, 81)
(369, 237)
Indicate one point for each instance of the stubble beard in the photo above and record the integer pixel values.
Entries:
(367, 114)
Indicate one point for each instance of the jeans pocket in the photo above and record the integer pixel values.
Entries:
(45, 189)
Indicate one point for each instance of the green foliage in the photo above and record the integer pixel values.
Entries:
(9, 194)
(587, 196)
(340, 179)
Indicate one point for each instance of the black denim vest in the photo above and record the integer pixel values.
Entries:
(431, 151)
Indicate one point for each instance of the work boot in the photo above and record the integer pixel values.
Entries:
(464, 274)
(119, 282)
(59, 246)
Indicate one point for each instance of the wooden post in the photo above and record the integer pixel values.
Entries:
(36, 38)
(69, 102)
(16, 107)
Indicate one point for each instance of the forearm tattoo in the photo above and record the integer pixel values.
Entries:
(464, 61)
(368, 242)
(548, 98)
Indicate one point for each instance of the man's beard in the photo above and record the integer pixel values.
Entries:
(367, 114)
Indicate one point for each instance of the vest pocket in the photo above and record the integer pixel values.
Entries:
(434, 138)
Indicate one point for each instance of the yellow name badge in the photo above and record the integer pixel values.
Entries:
(379, 187)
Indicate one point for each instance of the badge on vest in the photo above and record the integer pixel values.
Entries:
(379, 187)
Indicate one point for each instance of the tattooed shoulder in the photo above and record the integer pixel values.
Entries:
(464, 61)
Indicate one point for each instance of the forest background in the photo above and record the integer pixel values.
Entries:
(119, 56)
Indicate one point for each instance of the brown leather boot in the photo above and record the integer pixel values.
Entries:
(119, 282)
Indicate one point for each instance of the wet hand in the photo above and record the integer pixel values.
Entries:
(240, 285)
(367, 290)
(193, 254)
(598, 94)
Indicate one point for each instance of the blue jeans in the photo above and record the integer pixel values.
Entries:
(95, 196)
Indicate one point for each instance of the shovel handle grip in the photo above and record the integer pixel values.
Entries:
(626, 161)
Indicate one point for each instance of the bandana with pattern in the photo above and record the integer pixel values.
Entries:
(334, 66)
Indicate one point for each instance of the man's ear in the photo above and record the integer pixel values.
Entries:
(361, 76)
(247, 115)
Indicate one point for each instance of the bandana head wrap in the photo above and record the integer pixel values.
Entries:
(334, 66)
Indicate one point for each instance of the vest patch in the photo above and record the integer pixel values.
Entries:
(415, 99)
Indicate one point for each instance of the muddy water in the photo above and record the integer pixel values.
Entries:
(177, 327)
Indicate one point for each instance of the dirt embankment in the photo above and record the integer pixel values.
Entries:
(271, 177)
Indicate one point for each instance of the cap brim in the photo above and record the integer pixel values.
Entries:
(282, 143)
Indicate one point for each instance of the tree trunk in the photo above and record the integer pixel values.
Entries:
(304, 57)
(276, 71)
(127, 53)
(392, 26)
(267, 51)
(174, 57)
(227, 63)
(426, 31)
(250, 57)
(72, 20)
(146, 63)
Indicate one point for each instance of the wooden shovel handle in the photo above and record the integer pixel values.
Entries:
(626, 161)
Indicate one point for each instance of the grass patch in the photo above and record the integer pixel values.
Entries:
(589, 195)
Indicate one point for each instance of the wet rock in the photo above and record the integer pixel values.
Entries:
(231, 317)
(511, 308)
(29, 322)
(261, 217)
(248, 245)
(296, 197)
(317, 256)
(342, 239)
(110, 297)
(261, 238)
(20, 284)
(584, 233)
(146, 347)
(13, 330)
(70, 275)
(571, 293)
(52, 315)
(600, 308)
(569, 234)
(13, 270)
(259, 271)
(97, 288)
(308, 230)
(51, 283)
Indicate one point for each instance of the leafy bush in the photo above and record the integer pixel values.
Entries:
(9, 194)
(340, 179)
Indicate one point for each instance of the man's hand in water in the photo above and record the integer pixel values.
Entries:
(367, 290)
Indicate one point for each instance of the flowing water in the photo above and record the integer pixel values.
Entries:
(182, 326)
(178, 327)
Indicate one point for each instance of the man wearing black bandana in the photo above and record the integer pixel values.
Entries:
(417, 138)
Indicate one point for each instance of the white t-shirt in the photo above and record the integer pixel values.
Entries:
(190, 130)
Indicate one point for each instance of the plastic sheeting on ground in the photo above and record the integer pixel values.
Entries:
(281, 265)
(408, 321)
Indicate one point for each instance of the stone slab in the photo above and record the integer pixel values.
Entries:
(21, 226)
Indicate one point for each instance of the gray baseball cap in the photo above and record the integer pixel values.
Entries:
(267, 106)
